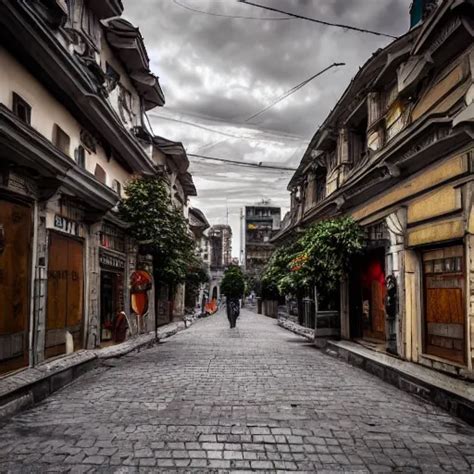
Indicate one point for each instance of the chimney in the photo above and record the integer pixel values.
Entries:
(420, 10)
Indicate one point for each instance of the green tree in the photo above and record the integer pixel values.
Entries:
(320, 257)
(233, 283)
(277, 271)
(160, 227)
(328, 248)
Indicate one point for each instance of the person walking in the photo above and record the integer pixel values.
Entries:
(233, 287)
(233, 311)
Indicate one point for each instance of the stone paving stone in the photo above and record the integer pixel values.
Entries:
(255, 398)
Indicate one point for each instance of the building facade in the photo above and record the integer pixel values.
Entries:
(196, 299)
(220, 252)
(396, 154)
(261, 222)
(74, 88)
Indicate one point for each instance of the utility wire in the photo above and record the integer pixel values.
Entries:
(321, 22)
(242, 163)
(195, 10)
(231, 135)
(292, 91)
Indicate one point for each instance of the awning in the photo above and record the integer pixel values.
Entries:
(174, 150)
(126, 40)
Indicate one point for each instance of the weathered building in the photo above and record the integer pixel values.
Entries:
(220, 250)
(173, 164)
(74, 88)
(199, 226)
(396, 154)
(261, 222)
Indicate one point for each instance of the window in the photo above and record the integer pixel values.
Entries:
(21, 109)
(320, 184)
(444, 303)
(100, 174)
(112, 77)
(111, 237)
(117, 187)
(61, 139)
(80, 156)
(395, 120)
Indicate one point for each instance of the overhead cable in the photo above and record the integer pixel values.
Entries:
(292, 91)
(195, 10)
(321, 22)
(284, 137)
(242, 163)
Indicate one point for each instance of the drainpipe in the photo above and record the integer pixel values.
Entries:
(33, 294)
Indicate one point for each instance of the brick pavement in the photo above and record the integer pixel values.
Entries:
(215, 399)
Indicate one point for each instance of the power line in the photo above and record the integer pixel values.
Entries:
(231, 135)
(293, 90)
(242, 163)
(195, 10)
(321, 22)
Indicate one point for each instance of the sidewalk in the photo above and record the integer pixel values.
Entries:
(29, 386)
(452, 394)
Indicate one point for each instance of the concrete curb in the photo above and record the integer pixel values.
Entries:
(296, 329)
(453, 395)
(28, 387)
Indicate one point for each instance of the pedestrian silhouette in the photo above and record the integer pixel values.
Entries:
(233, 311)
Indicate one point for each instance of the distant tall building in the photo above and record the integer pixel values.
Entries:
(220, 250)
(220, 244)
(261, 222)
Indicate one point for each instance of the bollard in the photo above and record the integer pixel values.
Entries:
(259, 305)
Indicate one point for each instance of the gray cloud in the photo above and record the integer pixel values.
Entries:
(218, 71)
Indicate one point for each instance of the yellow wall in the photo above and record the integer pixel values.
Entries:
(442, 201)
(436, 232)
(427, 179)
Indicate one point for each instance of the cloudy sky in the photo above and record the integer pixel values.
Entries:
(217, 71)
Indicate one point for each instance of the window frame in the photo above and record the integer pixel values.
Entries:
(18, 101)
(59, 133)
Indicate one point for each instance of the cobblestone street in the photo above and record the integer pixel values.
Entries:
(253, 398)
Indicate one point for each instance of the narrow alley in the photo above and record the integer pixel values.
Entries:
(253, 398)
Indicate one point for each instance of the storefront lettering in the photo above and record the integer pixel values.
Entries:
(63, 275)
(66, 225)
(107, 260)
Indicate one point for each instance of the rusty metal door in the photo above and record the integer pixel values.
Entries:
(444, 287)
(15, 249)
(65, 294)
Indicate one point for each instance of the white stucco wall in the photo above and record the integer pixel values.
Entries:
(46, 111)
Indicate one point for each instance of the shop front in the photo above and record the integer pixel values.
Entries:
(112, 296)
(65, 297)
(16, 227)
(367, 289)
(112, 261)
(444, 322)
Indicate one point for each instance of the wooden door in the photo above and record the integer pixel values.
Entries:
(75, 292)
(15, 249)
(377, 310)
(65, 294)
(445, 320)
(373, 295)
